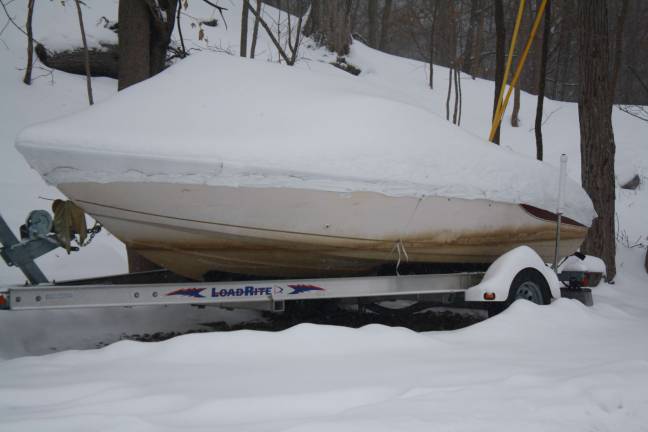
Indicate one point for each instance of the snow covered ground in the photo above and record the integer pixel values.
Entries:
(562, 367)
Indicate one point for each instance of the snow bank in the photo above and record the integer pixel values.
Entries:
(223, 120)
(550, 368)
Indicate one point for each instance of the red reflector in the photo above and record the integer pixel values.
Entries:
(585, 280)
(3, 300)
(489, 296)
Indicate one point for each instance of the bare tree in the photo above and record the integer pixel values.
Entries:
(30, 43)
(384, 27)
(87, 56)
(515, 115)
(500, 42)
(597, 136)
(470, 38)
(542, 77)
(244, 27)
(435, 15)
(618, 47)
(275, 41)
(329, 24)
(372, 12)
(255, 31)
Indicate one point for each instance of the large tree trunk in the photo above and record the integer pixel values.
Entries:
(618, 48)
(597, 136)
(372, 12)
(134, 41)
(542, 78)
(329, 24)
(162, 28)
(500, 36)
(384, 27)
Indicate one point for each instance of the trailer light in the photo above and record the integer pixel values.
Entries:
(3, 300)
(489, 296)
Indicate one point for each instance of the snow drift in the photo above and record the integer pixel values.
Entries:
(223, 120)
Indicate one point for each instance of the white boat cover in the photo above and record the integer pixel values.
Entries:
(223, 120)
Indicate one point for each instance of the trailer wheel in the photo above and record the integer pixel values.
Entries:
(528, 284)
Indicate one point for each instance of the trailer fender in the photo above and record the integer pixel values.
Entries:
(500, 275)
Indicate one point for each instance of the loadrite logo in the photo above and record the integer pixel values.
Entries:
(298, 289)
(188, 292)
(246, 291)
(241, 292)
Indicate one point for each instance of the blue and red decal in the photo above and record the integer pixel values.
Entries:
(188, 292)
(299, 288)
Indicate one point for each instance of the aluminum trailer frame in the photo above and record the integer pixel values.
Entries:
(262, 294)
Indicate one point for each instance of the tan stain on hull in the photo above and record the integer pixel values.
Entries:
(308, 258)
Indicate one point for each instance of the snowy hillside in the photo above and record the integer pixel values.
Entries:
(562, 367)
(405, 80)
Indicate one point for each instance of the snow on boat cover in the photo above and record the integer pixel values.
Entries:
(221, 120)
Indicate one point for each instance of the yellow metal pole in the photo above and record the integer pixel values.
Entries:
(516, 30)
(518, 70)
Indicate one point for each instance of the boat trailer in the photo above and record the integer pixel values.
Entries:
(161, 287)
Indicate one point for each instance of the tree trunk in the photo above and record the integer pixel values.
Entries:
(255, 31)
(618, 48)
(134, 41)
(500, 41)
(329, 24)
(162, 29)
(561, 49)
(384, 27)
(244, 28)
(597, 136)
(30, 43)
(479, 43)
(372, 12)
(85, 51)
(435, 15)
(470, 38)
(515, 115)
(542, 78)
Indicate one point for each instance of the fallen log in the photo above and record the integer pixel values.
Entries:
(104, 62)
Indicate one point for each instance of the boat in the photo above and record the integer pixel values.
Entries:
(268, 201)
(196, 229)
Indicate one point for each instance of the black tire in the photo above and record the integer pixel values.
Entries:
(528, 284)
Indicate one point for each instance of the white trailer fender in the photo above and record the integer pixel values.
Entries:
(500, 275)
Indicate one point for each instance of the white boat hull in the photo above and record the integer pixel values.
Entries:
(195, 229)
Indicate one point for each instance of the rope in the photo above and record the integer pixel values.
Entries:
(399, 245)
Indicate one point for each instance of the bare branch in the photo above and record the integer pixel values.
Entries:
(269, 32)
(87, 56)
(4, 6)
(220, 10)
